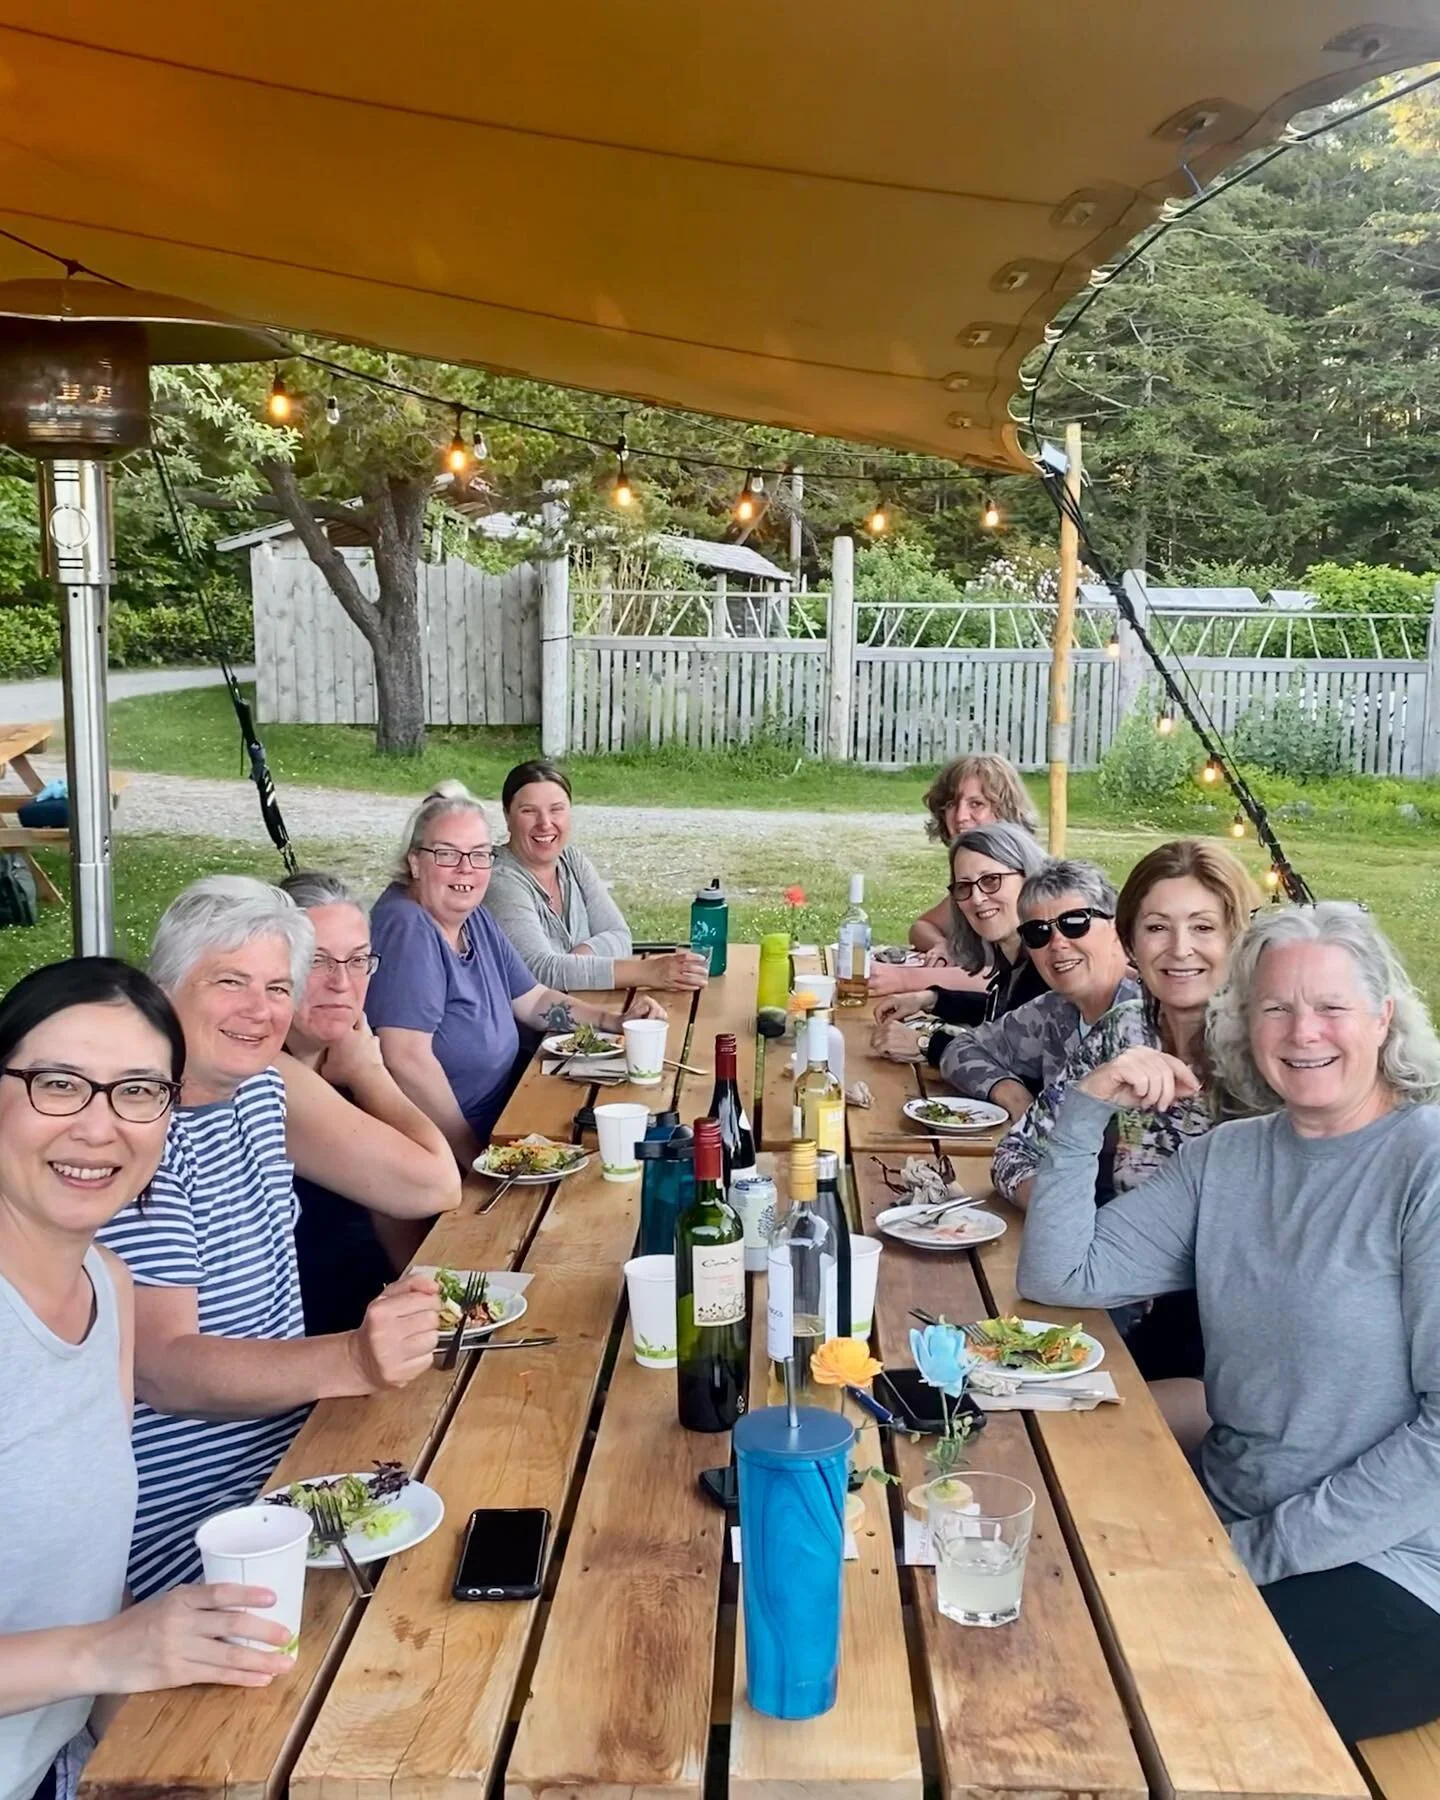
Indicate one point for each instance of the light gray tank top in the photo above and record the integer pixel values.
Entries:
(66, 1463)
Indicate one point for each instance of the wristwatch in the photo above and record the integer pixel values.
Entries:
(923, 1040)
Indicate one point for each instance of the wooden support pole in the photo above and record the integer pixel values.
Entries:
(555, 626)
(840, 722)
(1059, 746)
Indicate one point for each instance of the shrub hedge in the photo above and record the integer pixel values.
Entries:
(140, 637)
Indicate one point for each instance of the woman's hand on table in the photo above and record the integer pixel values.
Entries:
(397, 1338)
(644, 1006)
(897, 1041)
(1151, 1079)
(937, 957)
(677, 971)
(905, 1006)
(179, 1638)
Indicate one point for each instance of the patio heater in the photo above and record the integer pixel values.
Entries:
(75, 359)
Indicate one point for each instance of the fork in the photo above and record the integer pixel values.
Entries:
(934, 1213)
(329, 1527)
(493, 1199)
(469, 1300)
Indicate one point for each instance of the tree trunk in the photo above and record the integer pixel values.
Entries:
(400, 688)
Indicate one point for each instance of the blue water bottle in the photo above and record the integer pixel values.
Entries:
(792, 1553)
(667, 1185)
(710, 926)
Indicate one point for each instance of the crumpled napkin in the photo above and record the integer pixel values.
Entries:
(585, 1068)
(926, 1184)
(1004, 1390)
(858, 1094)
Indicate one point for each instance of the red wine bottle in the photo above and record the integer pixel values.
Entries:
(712, 1344)
(727, 1109)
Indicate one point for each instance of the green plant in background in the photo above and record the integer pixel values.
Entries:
(1144, 765)
(1289, 736)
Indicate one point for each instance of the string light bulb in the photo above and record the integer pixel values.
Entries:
(1112, 649)
(1210, 774)
(990, 518)
(457, 457)
(332, 411)
(879, 520)
(1237, 826)
(1271, 879)
(480, 450)
(279, 405)
(621, 492)
(748, 504)
(1166, 723)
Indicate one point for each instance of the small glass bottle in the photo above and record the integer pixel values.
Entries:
(818, 1110)
(852, 949)
(800, 1286)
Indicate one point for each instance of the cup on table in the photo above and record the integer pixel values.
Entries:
(650, 1284)
(980, 1528)
(645, 1041)
(820, 987)
(260, 1546)
(864, 1273)
(620, 1125)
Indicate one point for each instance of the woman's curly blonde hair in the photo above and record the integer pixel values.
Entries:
(999, 782)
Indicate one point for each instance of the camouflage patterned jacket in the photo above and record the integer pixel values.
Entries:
(1028, 1045)
(1142, 1140)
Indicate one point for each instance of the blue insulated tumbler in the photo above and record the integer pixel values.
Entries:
(792, 1553)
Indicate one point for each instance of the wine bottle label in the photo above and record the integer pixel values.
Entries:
(829, 1298)
(780, 1307)
(797, 1123)
(719, 1275)
(830, 1125)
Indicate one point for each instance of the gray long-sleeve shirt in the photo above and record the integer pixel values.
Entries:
(546, 939)
(1316, 1262)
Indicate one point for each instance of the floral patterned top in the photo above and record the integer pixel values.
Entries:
(1142, 1140)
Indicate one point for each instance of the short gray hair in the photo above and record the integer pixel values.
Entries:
(1060, 876)
(311, 888)
(444, 797)
(1011, 845)
(1410, 1054)
(225, 912)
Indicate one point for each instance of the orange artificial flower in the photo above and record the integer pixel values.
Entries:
(844, 1362)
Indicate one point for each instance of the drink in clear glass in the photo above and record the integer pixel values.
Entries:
(980, 1527)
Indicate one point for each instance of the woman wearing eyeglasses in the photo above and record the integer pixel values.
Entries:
(94, 1056)
(451, 990)
(347, 1253)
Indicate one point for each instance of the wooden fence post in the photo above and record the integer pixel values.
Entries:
(1135, 666)
(555, 626)
(1430, 742)
(839, 732)
(1058, 745)
(720, 608)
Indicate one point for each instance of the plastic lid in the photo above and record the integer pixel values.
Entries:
(709, 897)
(669, 1117)
(775, 943)
(767, 1437)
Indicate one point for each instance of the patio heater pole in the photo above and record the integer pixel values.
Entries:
(1059, 746)
(77, 546)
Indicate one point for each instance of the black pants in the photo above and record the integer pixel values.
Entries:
(1370, 1649)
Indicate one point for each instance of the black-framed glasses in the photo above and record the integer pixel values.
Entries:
(357, 967)
(960, 891)
(60, 1093)
(447, 857)
(1035, 934)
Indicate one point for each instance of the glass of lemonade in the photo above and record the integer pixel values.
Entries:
(980, 1527)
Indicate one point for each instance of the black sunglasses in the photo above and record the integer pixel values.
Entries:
(1035, 934)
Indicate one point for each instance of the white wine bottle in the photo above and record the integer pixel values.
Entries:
(800, 1285)
(852, 950)
(817, 1114)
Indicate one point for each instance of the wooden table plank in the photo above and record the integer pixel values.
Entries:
(1028, 1711)
(469, 1239)
(421, 1701)
(621, 1694)
(865, 1747)
(1407, 1765)
(727, 1003)
(680, 1008)
(1214, 1691)
(548, 1103)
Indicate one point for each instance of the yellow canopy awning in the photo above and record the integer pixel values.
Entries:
(852, 219)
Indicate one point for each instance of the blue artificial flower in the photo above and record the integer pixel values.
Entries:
(942, 1357)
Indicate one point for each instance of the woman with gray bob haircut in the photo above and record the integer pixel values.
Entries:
(223, 1368)
(1312, 1238)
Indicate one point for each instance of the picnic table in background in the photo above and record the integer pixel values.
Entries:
(1144, 1662)
(17, 742)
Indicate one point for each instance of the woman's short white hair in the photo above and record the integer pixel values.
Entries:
(444, 797)
(1410, 1054)
(225, 912)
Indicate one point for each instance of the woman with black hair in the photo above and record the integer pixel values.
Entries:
(549, 900)
(91, 1059)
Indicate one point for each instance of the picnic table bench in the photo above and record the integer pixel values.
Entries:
(17, 744)
(1144, 1662)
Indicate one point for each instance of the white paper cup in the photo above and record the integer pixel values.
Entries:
(260, 1546)
(645, 1041)
(821, 986)
(620, 1127)
(864, 1272)
(650, 1283)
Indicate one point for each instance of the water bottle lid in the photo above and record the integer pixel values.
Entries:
(710, 896)
(765, 1436)
(669, 1117)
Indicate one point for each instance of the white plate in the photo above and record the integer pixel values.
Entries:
(984, 1226)
(423, 1509)
(550, 1046)
(582, 1157)
(515, 1305)
(971, 1115)
(1028, 1372)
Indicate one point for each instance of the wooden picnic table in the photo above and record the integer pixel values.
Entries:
(1144, 1662)
(17, 743)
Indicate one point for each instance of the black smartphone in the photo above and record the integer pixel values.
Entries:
(917, 1404)
(504, 1554)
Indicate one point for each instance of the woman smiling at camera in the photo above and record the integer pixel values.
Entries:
(94, 1054)
(1312, 1239)
(548, 898)
(451, 990)
(971, 791)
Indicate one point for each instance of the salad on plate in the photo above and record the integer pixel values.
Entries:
(492, 1308)
(367, 1502)
(531, 1156)
(1012, 1343)
(585, 1040)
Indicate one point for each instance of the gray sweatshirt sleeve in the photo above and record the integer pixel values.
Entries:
(1011, 1048)
(609, 935)
(514, 908)
(1140, 1245)
(1388, 1494)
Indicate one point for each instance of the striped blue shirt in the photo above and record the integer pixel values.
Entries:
(219, 1218)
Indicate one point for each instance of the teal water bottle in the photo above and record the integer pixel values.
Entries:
(710, 926)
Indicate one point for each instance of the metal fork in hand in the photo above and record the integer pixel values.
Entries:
(469, 1300)
(329, 1527)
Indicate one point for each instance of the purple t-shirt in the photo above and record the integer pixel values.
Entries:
(463, 1001)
